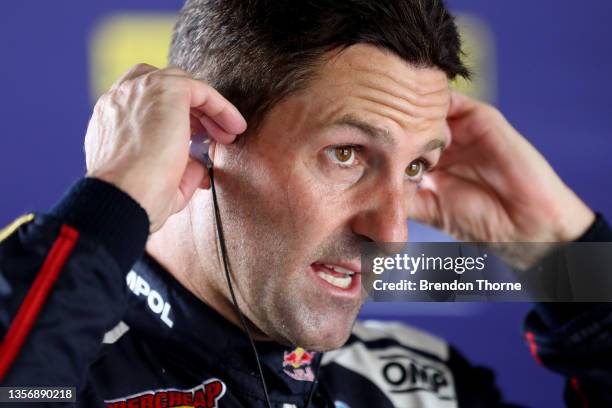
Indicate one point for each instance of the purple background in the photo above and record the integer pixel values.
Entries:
(553, 62)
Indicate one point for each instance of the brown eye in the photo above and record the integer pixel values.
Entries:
(415, 170)
(344, 153)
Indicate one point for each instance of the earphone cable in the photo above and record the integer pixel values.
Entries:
(231, 289)
(314, 383)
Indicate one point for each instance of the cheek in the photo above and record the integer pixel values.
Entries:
(277, 197)
(316, 209)
(264, 210)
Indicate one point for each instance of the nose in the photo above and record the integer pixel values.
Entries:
(384, 215)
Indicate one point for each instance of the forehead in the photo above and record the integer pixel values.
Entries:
(378, 86)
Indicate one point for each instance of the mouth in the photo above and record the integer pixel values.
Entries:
(343, 279)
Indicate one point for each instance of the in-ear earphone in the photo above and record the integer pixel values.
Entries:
(198, 149)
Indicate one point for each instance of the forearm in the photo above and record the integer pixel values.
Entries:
(65, 280)
(574, 339)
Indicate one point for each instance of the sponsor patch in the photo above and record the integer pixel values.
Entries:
(407, 377)
(206, 395)
(406, 374)
(156, 303)
(297, 364)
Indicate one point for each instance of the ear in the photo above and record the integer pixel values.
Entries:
(211, 149)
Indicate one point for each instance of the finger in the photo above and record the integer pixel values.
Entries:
(468, 119)
(455, 154)
(426, 208)
(445, 199)
(196, 125)
(205, 183)
(212, 104)
(448, 135)
(134, 72)
(460, 105)
(174, 70)
(192, 179)
(215, 132)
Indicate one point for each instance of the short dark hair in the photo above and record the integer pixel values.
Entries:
(256, 52)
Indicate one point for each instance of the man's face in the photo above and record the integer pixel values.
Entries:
(331, 167)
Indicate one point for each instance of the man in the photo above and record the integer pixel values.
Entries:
(348, 108)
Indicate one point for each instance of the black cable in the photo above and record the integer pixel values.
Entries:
(231, 289)
(314, 383)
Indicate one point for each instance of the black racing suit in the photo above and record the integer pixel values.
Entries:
(82, 305)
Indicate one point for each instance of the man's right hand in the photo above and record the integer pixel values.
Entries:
(138, 137)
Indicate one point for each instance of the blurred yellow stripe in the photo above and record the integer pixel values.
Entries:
(124, 39)
(8, 230)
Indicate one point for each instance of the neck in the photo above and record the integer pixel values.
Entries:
(186, 246)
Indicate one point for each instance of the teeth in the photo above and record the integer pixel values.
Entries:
(343, 270)
(339, 269)
(342, 283)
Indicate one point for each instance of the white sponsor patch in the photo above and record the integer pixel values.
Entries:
(408, 378)
(115, 333)
(140, 287)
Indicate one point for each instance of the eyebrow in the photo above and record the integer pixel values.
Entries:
(433, 145)
(367, 129)
(383, 134)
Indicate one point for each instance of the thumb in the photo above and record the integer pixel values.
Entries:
(193, 178)
(427, 205)
(426, 208)
(460, 105)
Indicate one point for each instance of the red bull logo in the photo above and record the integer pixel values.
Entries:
(206, 395)
(297, 364)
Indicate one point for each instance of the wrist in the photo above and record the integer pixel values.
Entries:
(131, 183)
(575, 218)
(106, 213)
